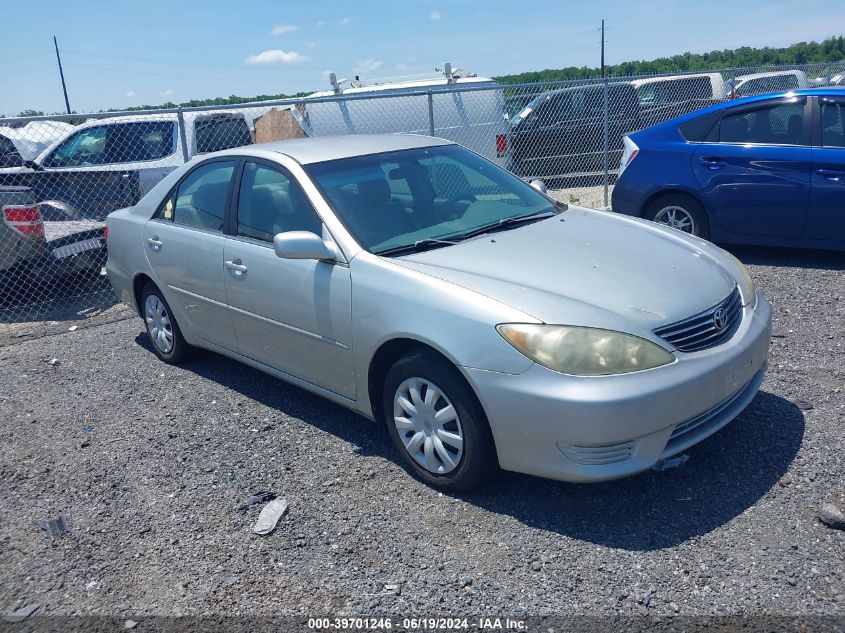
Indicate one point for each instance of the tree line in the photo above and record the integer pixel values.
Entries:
(829, 50)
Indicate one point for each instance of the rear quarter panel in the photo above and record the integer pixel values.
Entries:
(664, 164)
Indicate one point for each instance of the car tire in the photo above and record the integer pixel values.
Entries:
(453, 466)
(678, 210)
(162, 329)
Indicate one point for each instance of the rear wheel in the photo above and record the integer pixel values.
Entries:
(162, 328)
(680, 212)
(437, 424)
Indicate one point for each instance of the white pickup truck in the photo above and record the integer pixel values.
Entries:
(110, 163)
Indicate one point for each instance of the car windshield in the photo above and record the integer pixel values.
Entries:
(427, 197)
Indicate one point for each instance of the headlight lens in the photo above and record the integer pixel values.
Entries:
(746, 283)
(584, 351)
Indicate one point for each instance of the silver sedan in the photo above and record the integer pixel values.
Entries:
(419, 284)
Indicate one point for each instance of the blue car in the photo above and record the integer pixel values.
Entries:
(766, 170)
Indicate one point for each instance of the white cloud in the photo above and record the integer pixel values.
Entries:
(326, 74)
(346, 21)
(281, 29)
(401, 66)
(434, 15)
(321, 24)
(312, 44)
(130, 93)
(166, 93)
(277, 56)
(367, 65)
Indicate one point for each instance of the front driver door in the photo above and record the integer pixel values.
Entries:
(756, 175)
(294, 315)
(826, 220)
(184, 246)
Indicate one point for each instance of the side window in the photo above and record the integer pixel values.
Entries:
(200, 199)
(269, 202)
(139, 141)
(86, 147)
(779, 124)
(556, 110)
(594, 102)
(697, 130)
(9, 156)
(833, 123)
(115, 143)
(221, 131)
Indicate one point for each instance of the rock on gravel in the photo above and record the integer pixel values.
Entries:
(832, 513)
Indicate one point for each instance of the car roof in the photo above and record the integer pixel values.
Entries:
(319, 149)
(651, 80)
(402, 85)
(774, 73)
(828, 91)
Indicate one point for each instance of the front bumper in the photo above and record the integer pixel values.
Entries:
(596, 428)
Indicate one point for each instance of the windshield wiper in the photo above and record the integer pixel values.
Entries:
(503, 223)
(416, 247)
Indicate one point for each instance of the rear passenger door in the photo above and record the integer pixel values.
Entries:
(294, 315)
(755, 174)
(184, 241)
(826, 219)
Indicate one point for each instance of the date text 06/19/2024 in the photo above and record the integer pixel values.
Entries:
(417, 624)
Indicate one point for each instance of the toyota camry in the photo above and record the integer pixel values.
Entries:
(484, 323)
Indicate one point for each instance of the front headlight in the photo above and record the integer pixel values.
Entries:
(584, 351)
(746, 283)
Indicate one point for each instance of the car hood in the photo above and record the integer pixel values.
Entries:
(587, 267)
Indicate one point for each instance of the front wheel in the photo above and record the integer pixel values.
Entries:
(679, 212)
(437, 424)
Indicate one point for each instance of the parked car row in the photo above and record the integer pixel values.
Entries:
(768, 170)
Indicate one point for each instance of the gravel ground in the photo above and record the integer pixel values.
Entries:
(147, 462)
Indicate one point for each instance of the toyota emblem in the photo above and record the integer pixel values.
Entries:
(720, 319)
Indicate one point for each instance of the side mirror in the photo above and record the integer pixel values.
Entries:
(539, 185)
(303, 245)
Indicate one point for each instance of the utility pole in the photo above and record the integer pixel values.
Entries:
(61, 74)
(602, 48)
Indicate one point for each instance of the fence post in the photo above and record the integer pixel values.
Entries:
(829, 72)
(430, 114)
(606, 141)
(732, 93)
(180, 117)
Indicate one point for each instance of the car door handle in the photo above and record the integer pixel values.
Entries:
(154, 242)
(832, 175)
(236, 266)
(711, 163)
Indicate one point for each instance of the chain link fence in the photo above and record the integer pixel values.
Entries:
(60, 176)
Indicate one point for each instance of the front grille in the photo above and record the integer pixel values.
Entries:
(598, 455)
(700, 331)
